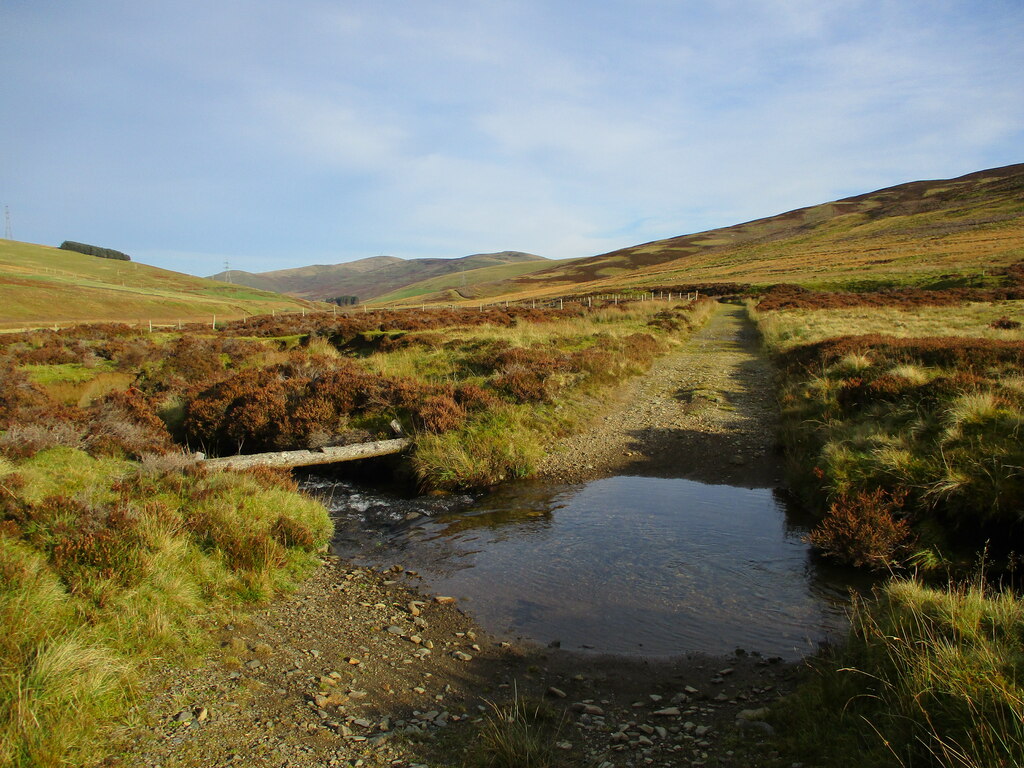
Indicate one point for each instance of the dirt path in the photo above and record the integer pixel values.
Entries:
(706, 412)
(360, 668)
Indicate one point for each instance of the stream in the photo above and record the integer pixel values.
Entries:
(639, 566)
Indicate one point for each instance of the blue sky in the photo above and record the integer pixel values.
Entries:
(278, 134)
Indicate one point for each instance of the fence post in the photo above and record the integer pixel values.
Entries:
(214, 324)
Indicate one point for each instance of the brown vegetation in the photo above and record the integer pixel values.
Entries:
(863, 530)
(786, 297)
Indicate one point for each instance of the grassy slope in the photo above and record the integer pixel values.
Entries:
(913, 231)
(39, 284)
(473, 283)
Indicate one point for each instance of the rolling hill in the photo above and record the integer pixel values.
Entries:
(40, 284)
(910, 232)
(456, 286)
(370, 278)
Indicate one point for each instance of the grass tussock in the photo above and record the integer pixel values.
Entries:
(106, 564)
(928, 677)
(933, 422)
(520, 734)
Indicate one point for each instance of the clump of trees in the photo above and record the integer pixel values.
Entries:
(94, 250)
(343, 301)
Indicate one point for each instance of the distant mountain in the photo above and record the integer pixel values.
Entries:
(918, 229)
(367, 278)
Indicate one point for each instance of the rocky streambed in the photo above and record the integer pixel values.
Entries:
(360, 668)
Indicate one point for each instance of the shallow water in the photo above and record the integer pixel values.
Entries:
(631, 565)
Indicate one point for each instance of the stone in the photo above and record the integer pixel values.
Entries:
(444, 600)
(461, 656)
(558, 693)
(666, 712)
(202, 715)
(395, 630)
(701, 730)
(690, 690)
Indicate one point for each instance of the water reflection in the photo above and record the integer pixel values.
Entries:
(634, 565)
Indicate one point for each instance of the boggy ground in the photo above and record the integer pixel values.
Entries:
(358, 667)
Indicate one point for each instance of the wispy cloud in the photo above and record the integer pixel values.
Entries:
(279, 134)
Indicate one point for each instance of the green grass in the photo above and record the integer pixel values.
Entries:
(106, 565)
(928, 677)
(43, 285)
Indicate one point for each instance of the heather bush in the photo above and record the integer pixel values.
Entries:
(21, 441)
(1005, 323)
(125, 424)
(863, 530)
(20, 400)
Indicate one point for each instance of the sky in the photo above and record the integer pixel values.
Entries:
(271, 134)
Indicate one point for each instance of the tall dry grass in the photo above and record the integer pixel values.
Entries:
(928, 677)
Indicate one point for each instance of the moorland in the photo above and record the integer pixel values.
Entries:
(892, 319)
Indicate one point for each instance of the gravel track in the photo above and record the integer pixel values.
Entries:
(705, 412)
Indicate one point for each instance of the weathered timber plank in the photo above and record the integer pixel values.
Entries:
(309, 458)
